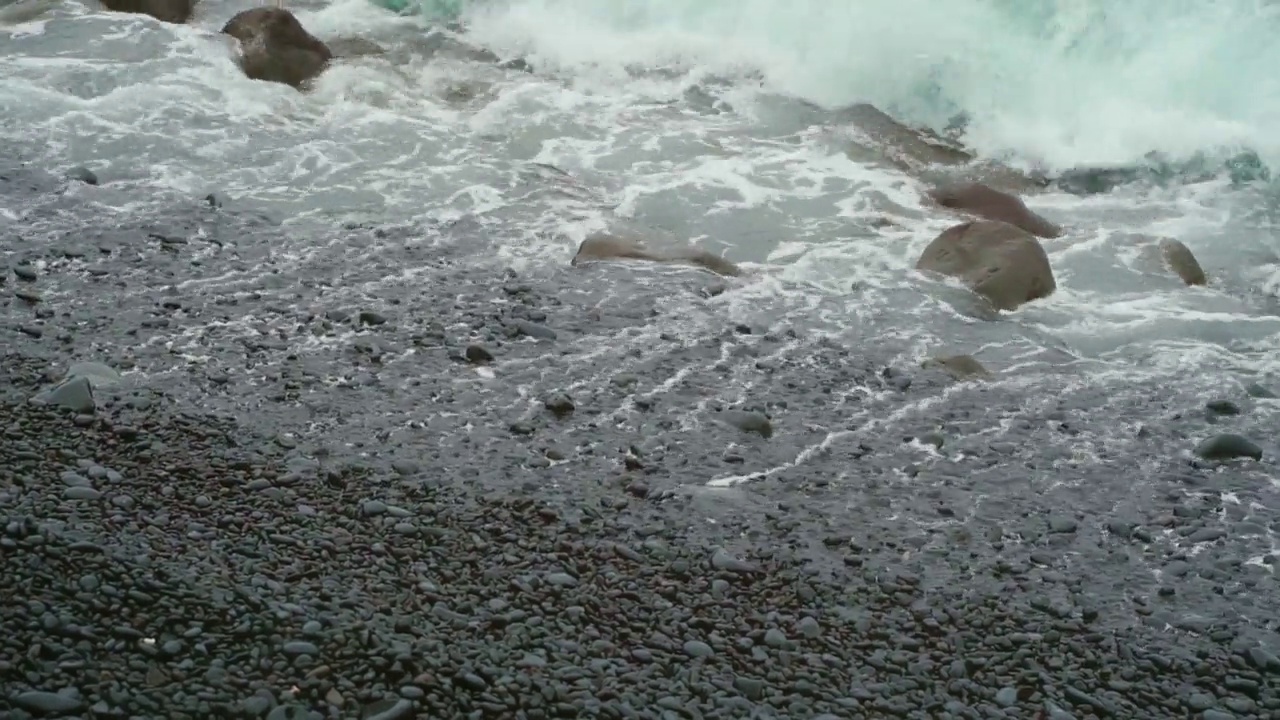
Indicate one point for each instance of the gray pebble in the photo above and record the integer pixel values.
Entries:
(80, 492)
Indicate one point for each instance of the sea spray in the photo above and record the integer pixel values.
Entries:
(1058, 83)
(428, 9)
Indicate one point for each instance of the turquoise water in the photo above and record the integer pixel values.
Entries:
(1055, 82)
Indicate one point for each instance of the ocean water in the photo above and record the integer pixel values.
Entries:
(716, 122)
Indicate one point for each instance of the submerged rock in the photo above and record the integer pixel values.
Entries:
(1227, 447)
(960, 367)
(170, 11)
(1180, 260)
(83, 174)
(988, 203)
(612, 247)
(997, 260)
(276, 48)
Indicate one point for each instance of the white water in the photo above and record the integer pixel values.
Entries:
(1063, 82)
(159, 107)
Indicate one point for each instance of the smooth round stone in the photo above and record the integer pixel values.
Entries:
(300, 647)
(698, 649)
(78, 492)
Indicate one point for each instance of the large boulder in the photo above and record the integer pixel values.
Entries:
(988, 203)
(275, 47)
(999, 261)
(170, 11)
(605, 246)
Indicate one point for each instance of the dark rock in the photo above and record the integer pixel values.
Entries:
(276, 48)
(560, 404)
(369, 317)
(84, 174)
(477, 354)
(1222, 407)
(25, 273)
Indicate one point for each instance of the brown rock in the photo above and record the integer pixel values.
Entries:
(170, 11)
(990, 204)
(275, 47)
(960, 367)
(603, 246)
(1180, 260)
(1001, 262)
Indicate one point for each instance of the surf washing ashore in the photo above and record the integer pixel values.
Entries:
(647, 359)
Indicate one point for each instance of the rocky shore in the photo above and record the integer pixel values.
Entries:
(175, 566)
(237, 523)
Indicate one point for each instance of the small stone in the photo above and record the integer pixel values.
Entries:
(373, 507)
(721, 560)
(1228, 446)
(698, 649)
(300, 647)
(809, 627)
(26, 273)
(752, 688)
(749, 422)
(79, 492)
(368, 317)
(1007, 697)
(390, 709)
(560, 579)
(774, 638)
